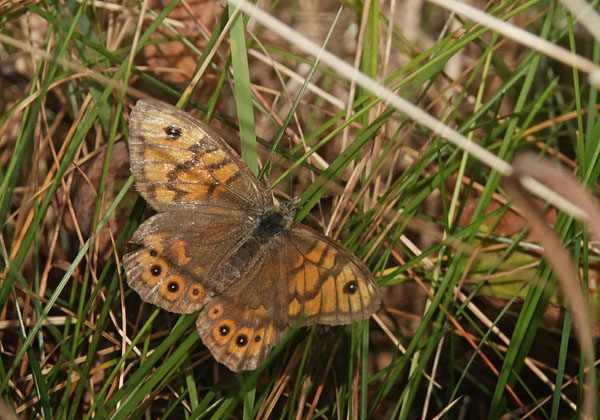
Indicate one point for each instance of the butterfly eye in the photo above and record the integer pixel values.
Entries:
(351, 287)
(155, 270)
(241, 340)
(172, 132)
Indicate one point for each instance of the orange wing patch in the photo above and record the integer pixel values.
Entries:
(214, 158)
(162, 153)
(195, 175)
(257, 342)
(178, 248)
(317, 252)
(224, 173)
(294, 308)
(312, 306)
(329, 301)
(164, 194)
(328, 261)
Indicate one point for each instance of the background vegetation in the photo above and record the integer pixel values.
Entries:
(473, 323)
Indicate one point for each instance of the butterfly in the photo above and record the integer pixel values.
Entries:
(219, 245)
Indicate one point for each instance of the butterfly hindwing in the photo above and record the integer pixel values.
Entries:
(326, 283)
(301, 276)
(241, 325)
(179, 264)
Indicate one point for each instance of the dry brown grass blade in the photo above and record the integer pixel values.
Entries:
(564, 183)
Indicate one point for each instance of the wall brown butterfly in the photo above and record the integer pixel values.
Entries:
(218, 244)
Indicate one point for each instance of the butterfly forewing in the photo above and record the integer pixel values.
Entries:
(180, 162)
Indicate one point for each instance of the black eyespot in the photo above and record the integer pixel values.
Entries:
(173, 286)
(195, 291)
(257, 338)
(173, 132)
(155, 270)
(216, 311)
(351, 287)
(153, 252)
(241, 340)
(224, 330)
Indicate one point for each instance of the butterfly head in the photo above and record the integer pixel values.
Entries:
(287, 210)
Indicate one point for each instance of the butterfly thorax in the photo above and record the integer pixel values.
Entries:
(268, 226)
